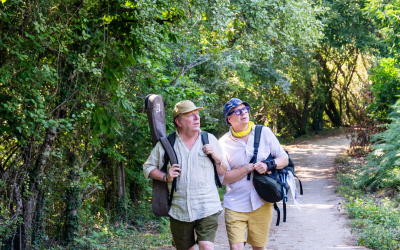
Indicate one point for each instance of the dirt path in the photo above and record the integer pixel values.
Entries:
(319, 225)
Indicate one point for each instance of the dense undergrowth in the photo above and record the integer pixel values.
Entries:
(371, 188)
(375, 215)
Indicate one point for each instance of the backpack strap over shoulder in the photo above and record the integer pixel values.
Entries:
(204, 139)
(257, 136)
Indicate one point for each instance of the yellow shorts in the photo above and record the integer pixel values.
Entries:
(258, 223)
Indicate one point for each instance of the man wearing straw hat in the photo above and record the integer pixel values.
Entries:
(196, 204)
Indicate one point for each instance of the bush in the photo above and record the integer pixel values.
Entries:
(385, 87)
(377, 224)
(383, 167)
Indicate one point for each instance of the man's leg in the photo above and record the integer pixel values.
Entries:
(182, 234)
(240, 246)
(206, 245)
(259, 224)
(237, 246)
(205, 230)
(236, 225)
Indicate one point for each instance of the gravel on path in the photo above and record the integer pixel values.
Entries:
(320, 224)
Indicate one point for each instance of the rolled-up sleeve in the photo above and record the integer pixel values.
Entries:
(274, 145)
(214, 141)
(225, 159)
(221, 178)
(155, 160)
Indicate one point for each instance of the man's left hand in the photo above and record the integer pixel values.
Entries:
(261, 167)
(210, 150)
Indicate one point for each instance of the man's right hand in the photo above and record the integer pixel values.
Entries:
(173, 172)
(250, 167)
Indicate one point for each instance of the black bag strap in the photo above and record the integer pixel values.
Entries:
(204, 139)
(279, 213)
(257, 136)
(301, 186)
(284, 211)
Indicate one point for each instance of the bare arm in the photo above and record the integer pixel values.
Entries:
(281, 161)
(173, 172)
(238, 173)
(221, 168)
(234, 175)
(156, 175)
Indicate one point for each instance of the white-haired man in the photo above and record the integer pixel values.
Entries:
(195, 205)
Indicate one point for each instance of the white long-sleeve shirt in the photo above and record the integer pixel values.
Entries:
(241, 196)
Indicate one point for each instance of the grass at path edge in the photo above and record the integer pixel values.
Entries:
(375, 215)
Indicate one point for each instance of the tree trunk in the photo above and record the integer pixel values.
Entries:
(348, 108)
(71, 228)
(121, 179)
(317, 116)
(38, 234)
(275, 118)
(304, 116)
(121, 191)
(333, 113)
(36, 176)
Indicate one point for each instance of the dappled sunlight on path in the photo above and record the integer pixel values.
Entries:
(319, 225)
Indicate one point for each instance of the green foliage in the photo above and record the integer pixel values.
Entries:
(383, 167)
(386, 17)
(377, 223)
(74, 75)
(338, 33)
(375, 220)
(385, 87)
(122, 238)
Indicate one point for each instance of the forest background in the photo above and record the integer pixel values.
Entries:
(74, 75)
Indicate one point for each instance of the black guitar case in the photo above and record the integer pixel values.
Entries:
(156, 116)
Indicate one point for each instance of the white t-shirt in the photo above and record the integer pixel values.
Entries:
(241, 196)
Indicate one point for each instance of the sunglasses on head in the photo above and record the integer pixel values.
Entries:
(239, 111)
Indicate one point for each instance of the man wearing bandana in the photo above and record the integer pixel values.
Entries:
(244, 209)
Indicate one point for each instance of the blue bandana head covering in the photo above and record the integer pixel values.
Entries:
(232, 103)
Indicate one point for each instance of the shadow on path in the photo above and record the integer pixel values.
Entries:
(319, 225)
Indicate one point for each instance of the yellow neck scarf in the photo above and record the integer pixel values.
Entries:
(243, 133)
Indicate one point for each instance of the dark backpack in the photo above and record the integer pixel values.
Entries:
(272, 187)
(171, 141)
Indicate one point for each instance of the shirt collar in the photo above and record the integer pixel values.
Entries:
(178, 136)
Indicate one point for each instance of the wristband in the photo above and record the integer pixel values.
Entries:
(271, 164)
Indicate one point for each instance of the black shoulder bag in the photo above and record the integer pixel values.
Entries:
(271, 187)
